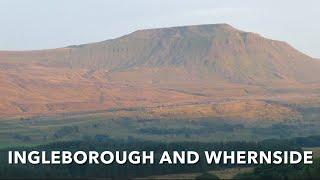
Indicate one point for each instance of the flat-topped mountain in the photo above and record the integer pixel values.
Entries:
(177, 67)
(216, 51)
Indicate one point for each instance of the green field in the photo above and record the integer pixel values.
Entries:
(44, 130)
(227, 173)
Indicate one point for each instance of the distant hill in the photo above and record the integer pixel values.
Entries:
(178, 66)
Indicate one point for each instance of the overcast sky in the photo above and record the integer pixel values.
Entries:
(40, 24)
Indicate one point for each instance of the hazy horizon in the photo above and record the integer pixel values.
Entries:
(36, 24)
